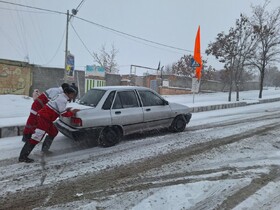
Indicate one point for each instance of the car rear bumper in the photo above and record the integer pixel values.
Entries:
(76, 133)
(66, 130)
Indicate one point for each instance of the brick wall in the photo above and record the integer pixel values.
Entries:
(173, 91)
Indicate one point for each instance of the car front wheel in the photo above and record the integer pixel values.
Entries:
(109, 136)
(178, 124)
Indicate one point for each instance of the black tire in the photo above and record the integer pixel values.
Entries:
(109, 137)
(178, 124)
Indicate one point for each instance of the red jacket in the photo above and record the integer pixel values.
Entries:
(56, 107)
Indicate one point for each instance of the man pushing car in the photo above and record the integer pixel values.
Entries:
(45, 118)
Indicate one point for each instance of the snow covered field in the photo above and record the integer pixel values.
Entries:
(225, 158)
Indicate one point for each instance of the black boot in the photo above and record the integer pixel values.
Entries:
(26, 137)
(25, 151)
(47, 143)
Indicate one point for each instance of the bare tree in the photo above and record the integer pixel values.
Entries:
(167, 69)
(183, 66)
(224, 49)
(267, 28)
(107, 59)
(246, 44)
(233, 49)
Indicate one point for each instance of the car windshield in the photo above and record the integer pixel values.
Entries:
(92, 97)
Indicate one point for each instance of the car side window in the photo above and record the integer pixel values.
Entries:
(109, 100)
(125, 99)
(150, 99)
(117, 103)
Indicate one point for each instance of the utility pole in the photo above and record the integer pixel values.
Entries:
(161, 76)
(66, 48)
(74, 12)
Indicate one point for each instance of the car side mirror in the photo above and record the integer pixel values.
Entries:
(165, 102)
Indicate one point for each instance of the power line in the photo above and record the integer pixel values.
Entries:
(59, 45)
(148, 44)
(14, 23)
(23, 34)
(81, 40)
(83, 43)
(29, 11)
(31, 7)
(11, 42)
(133, 36)
(80, 4)
(102, 26)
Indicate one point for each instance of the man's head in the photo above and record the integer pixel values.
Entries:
(70, 92)
(64, 85)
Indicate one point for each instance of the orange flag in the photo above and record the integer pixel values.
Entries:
(197, 55)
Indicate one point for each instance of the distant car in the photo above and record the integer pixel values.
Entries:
(109, 113)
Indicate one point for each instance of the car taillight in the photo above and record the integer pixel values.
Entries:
(76, 121)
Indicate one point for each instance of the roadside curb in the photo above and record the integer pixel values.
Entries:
(231, 105)
(268, 100)
(17, 130)
(11, 131)
(217, 106)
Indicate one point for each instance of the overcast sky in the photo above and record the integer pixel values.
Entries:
(40, 35)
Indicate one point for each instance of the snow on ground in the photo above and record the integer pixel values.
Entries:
(15, 110)
(203, 99)
(269, 192)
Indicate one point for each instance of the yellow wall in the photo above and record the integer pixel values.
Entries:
(15, 79)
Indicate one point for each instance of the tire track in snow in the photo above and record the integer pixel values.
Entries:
(88, 181)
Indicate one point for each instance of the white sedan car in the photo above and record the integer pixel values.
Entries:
(111, 112)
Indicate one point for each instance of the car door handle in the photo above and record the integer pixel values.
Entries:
(118, 112)
(148, 110)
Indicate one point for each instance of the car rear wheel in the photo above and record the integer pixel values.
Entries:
(109, 136)
(178, 124)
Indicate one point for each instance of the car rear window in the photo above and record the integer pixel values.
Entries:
(92, 97)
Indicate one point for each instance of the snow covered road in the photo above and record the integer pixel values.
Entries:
(221, 159)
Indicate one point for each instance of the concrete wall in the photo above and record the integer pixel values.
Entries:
(214, 86)
(132, 80)
(22, 78)
(251, 86)
(45, 78)
(113, 79)
(209, 85)
(178, 81)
